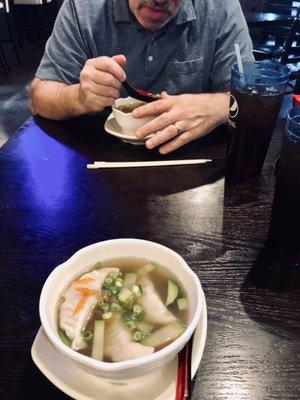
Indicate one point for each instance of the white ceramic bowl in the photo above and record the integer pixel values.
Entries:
(126, 121)
(61, 277)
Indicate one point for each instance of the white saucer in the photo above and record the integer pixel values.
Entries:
(111, 126)
(78, 384)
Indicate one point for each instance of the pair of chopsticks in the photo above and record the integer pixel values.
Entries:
(142, 164)
(184, 374)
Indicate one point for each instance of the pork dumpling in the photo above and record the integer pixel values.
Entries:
(155, 310)
(78, 304)
(119, 345)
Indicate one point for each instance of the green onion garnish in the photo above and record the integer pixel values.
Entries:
(137, 309)
(114, 289)
(107, 315)
(115, 307)
(137, 336)
(137, 290)
(131, 325)
(87, 335)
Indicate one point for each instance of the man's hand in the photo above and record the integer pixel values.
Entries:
(195, 115)
(100, 82)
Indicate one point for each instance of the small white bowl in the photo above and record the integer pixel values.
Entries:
(65, 273)
(126, 121)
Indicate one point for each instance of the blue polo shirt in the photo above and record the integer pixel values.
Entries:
(193, 53)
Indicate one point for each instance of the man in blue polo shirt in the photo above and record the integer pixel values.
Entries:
(183, 49)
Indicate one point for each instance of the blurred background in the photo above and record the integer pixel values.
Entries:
(25, 26)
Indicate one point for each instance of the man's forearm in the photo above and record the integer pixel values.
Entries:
(55, 100)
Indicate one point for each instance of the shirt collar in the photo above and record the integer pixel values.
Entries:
(186, 12)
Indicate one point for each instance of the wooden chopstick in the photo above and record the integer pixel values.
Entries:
(184, 378)
(141, 164)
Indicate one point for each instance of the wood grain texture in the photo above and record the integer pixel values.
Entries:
(51, 206)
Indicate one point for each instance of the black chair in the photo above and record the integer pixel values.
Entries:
(289, 53)
(34, 19)
(277, 35)
(9, 36)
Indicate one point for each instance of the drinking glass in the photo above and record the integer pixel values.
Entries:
(256, 98)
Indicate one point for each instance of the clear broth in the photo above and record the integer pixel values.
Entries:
(159, 277)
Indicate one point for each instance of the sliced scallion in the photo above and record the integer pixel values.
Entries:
(137, 336)
(131, 325)
(137, 290)
(115, 307)
(87, 335)
(107, 315)
(137, 309)
(64, 338)
(115, 289)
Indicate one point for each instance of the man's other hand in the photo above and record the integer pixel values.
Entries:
(181, 118)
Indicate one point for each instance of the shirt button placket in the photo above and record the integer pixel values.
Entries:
(150, 60)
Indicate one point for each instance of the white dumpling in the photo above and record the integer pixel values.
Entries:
(119, 345)
(155, 310)
(73, 323)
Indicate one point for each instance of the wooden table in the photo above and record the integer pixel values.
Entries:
(259, 20)
(51, 205)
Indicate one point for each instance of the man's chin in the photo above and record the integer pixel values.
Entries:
(151, 20)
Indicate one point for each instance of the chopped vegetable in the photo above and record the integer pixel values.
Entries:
(109, 280)
(137, 336)
(131, 325)
(137, 309)
(113, 275)
(105, 307)
(146, 269)
(107, 315)
(100, 302)
(98, 340)
(115, 307)
(119, 284)
(172, 292)
(98, 265)
(164, 335)
(64, 338)
(125, 295)
(114, 289)
(87, 335)
(182, 303)
(81, 303)
(137, 290)
(130, 280)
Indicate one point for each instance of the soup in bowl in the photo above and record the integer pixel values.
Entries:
(122, 110)
(121, 308)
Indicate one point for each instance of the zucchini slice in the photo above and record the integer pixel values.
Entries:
(182, 303)
(98, 340)
(172, 292)
(164, 336)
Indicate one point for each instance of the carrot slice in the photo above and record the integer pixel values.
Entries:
(81, 303)
(87, 291)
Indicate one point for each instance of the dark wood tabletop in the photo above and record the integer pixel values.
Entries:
(261, 19)
(51, 206)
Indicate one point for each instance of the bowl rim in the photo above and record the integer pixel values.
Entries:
(123, 99)
(121, 365)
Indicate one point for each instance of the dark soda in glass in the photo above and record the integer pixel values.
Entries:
(256, 98)
(284, 230)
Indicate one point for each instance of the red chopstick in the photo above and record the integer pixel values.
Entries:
(184, 378)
